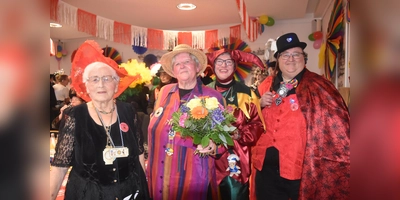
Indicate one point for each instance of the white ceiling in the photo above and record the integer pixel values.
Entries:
(163, 14)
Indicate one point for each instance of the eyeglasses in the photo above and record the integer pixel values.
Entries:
(295, 55)
(105, 79)
(228, 62)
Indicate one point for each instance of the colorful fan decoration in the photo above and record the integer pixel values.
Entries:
(334, 39)
(113, 54)
(243, 68)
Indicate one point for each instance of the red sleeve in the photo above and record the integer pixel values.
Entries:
(265, 85)
(250, 129)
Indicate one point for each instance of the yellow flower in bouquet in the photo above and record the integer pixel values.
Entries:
(194, 103)
(204, 119)
(212, 103)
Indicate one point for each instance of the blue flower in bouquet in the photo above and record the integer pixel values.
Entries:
(217, 117)
(204, 118)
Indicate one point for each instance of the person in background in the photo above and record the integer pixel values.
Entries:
(271, 69)
(99, 138)
(149, 60)
(61, 90)
(174, 171)
(305, 153)
(53, 101)
(164, 80)
(52, 79)
(75, 100)
(249, 121)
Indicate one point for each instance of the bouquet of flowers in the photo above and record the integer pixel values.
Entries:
(204, 118)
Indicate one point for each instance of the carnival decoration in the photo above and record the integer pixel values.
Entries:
(317, 37)
(263, 19)
(59, 53)
(266, 20)
(134, 68)
(111, 30)
(270, 49)
(334, 39)
(139, 50)
(250, 24)
(113, 54)
(139, 47)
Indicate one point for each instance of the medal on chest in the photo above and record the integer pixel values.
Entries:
(284, 90)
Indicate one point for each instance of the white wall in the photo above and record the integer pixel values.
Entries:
(302, 27)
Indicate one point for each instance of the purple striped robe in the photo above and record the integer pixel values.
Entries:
(182, 175)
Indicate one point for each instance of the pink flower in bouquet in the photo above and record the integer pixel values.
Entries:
(182, 119)
(229, 109)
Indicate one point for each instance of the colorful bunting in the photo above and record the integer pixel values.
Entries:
(122, 33)
(111, 30)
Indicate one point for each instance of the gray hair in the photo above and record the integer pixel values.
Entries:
(97, 65)
(193, 57)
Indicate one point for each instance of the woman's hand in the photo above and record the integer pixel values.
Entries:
(266, 99)
(208, 150)
(62, 110)
(235, 134)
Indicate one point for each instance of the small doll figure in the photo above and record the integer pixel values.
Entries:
(232, 160)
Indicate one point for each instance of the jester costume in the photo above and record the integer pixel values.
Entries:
(311, 143)
(249, 121)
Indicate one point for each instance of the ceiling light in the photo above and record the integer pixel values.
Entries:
(55, 25)
(186, 6)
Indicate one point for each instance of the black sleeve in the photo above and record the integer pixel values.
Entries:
(66, 138)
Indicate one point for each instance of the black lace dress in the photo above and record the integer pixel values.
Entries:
(81, 143)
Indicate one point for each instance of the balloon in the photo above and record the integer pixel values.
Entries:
(317, 44)
(263, 19)
(318, 35)
(262, 28)
(59, 55)
(270, 21)
(311, 37)
(59, 48)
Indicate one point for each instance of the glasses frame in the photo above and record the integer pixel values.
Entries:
(103, 79)
(224, 61)
(291, 55)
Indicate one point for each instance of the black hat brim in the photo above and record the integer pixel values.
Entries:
(302, 45)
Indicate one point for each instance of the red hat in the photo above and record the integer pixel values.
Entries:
(240, 52)
(237, 55)
(90, 52)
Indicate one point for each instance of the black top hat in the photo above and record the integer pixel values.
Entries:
(287, 41)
